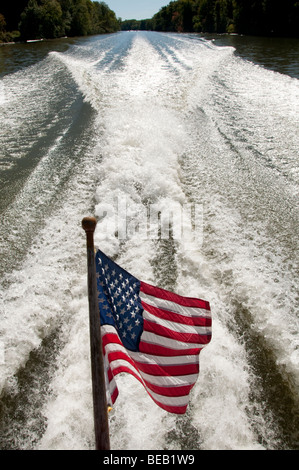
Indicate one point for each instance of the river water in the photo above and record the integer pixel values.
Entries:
(120, 123)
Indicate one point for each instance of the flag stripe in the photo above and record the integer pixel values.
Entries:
(167, 305)
(164, 382)
(111, 347)
(166, 390)
(152, 343)
(170, 391)
(165, 401)
(174, 335)
(173, 382)
(149, 347)
(156, 369)
(170, 401)
(152, 314)
(167, 314)
(172, 297)
(152, 365)
(164, 360)
(172, 409)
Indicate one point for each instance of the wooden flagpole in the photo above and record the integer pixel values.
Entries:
(101, 425)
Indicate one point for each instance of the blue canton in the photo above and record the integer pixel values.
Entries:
(119, 301)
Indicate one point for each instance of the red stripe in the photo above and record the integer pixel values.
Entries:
(166, 391)
(123, 368)
(120, 355)
(110, 338)
(157, 350)
(109, 374)
(170, 409)
(166, 332)
(114, 395)
(155, 369)
(164, 371)
(176, 317)
(170, 391)
(166, 295)
(180, 391)
(180, 410)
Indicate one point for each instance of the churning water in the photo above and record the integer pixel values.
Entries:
(160, 120)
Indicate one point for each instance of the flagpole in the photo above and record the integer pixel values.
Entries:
(101, 425)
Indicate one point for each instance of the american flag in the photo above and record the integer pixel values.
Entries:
(151, 333)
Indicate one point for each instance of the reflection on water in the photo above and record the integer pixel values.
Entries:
(14, 57)
(278, 54)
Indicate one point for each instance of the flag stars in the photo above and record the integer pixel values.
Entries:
(119, 301)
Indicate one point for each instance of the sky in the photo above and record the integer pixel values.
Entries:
(136, 9)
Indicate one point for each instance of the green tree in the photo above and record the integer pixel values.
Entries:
(2, 28)
(52, 25)
(31, 20)
(81, 21)
(186, 9)
(2, 23)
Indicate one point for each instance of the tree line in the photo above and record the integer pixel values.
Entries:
(37, 19)
(253, 17)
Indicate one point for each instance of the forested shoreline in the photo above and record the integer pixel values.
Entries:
(262, 17)
(38, 19)
(21, 20)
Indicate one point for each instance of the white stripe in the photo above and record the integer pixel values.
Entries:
(163, 360)
(170, 381)
(123, 363)
(110, 390)
(163, 381)
(174, 307)
(111, 347)
(110, 384)
(177, 327)
(108, 329)
(150, 359)
(170, 401)
(152, 338)
(153, 360)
